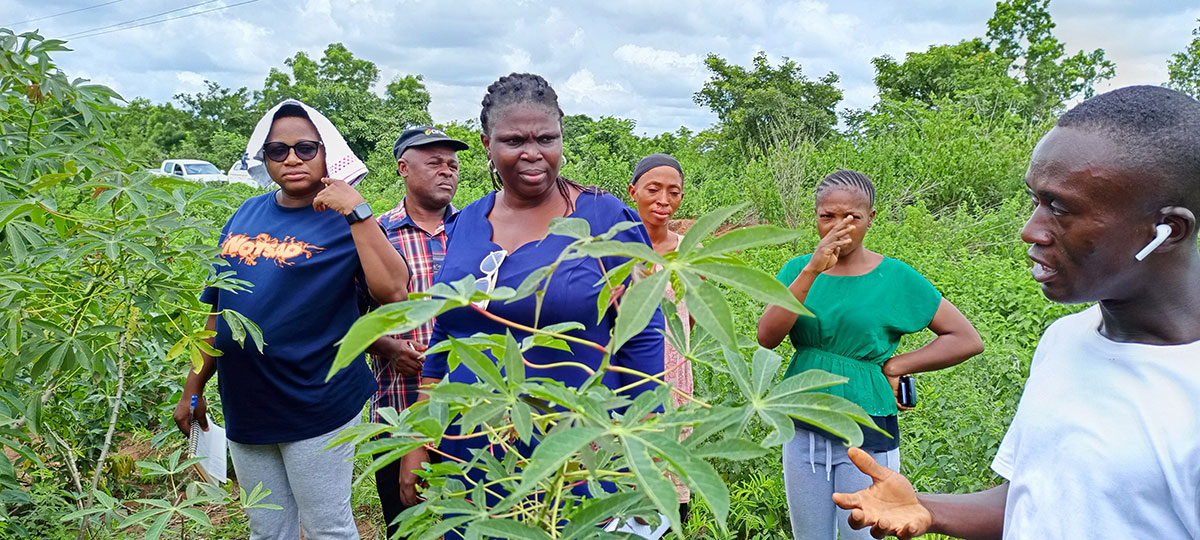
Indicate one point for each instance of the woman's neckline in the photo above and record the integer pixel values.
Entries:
(491, 230)
(867, 273)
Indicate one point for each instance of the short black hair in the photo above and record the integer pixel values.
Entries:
(1158, 130)
(846, 178)
(516, 89)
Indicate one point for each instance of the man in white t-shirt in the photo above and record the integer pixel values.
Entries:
(1106, 439)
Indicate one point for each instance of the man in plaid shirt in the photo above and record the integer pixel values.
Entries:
(427, 160)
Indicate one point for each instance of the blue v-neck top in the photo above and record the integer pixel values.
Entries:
(571, 296)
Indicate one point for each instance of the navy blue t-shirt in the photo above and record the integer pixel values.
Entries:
(305, 270)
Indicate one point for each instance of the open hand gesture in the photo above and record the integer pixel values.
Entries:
(830, 246)
(889, 506)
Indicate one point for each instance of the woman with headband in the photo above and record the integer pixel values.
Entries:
(657, 191)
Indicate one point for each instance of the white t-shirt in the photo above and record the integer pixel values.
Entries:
(1106, 439)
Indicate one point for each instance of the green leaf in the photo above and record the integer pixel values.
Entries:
(514, 367)
(506, 528)
(522, 418)
(240, 325)
(651, 480)
(576, 228)
(614, 248)
(747, 238)
(697, 473)
(160, 524)
(389, 319)
(709, 307)
(754, 282)
(549, 456)
(706, 225)
(480, 364)
(637, 308)
(197, 516)
(593, 511)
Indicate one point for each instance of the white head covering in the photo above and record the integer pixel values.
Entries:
(340, 161)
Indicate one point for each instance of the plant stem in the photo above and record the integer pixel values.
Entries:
(117, 399)
(532, 330)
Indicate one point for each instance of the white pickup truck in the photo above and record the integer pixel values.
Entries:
(196, 170)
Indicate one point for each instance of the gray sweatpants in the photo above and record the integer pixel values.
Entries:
(310, 483)
(813, 469)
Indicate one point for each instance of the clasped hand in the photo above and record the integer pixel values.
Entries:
(338, 196)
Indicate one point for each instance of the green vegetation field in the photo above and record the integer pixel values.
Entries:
(102, 264)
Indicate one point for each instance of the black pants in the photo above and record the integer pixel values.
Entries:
(387, 483)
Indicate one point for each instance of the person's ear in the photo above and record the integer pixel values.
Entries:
(487, 143)
(632, 191)
(402, 168)
(1183, 227)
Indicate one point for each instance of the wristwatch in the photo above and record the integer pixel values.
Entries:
(360, 212)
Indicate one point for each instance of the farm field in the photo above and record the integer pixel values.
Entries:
(102, 263)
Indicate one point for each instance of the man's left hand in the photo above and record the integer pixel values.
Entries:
(337, 196)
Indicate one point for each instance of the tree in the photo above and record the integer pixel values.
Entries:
(1184, 68)
(749, 101)
(969, 68)
(339, 85)
(408, 93)
(1019, 64)
(102, 268)
(1020, 31)
(228, 109)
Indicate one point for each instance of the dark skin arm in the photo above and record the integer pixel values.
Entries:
(413, 461)
(891, 506)
(194, 386)
(385, 269)
(956, 341)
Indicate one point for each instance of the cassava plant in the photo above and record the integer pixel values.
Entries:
(593, 435)
(101, 266)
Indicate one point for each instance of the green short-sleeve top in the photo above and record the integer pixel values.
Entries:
(858, 323)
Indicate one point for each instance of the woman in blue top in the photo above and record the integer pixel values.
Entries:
(503, 236)
(863, 304)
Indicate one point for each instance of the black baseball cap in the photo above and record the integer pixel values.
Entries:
(423, 135)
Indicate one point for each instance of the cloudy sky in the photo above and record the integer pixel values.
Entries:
(633, 59)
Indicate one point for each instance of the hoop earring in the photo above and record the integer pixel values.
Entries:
(494, 175)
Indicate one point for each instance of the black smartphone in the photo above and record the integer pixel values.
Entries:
(908, 391)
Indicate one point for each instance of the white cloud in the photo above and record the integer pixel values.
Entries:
(583, 88)
(658, 59)
(626, 58)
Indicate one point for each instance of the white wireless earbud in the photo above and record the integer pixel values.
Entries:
(1161, 232)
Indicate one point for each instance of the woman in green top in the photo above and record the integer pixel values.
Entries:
(863, 303)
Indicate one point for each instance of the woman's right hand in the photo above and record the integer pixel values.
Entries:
(183, 417)
(830, 246)
(411, 461)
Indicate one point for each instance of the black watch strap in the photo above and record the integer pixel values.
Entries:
(360, 212)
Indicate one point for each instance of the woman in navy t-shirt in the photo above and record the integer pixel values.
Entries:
(304, 249)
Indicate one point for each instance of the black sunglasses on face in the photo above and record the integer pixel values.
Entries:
(305, 150)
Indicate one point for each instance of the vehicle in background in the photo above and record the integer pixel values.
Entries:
(196, 170)
(239, 172)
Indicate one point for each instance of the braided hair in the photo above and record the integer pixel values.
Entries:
(846, 178)
(524, 89)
